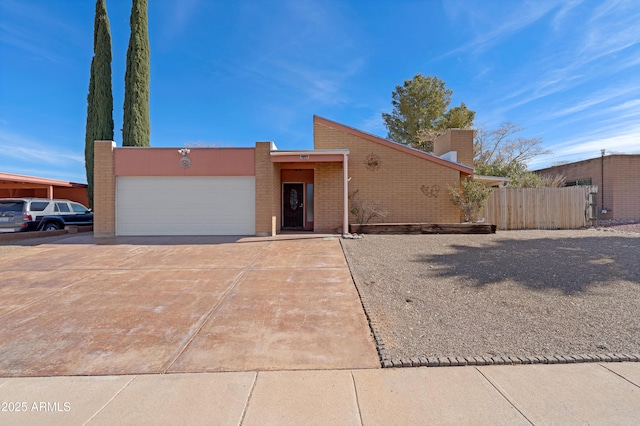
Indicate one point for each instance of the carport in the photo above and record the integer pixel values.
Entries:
(20, 186)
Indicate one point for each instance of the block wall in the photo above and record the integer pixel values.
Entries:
(328, 197)
(620, 193)
(277, 196)
(104, 190)
(409, 188)
(264, 189)
(625, 185)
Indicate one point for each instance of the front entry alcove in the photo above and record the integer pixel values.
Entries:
(297, 199)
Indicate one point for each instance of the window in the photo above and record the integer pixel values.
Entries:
(62, 207)
(11, 206)
(309, 202)
(78, 208)
(578, 182)
(39, 206)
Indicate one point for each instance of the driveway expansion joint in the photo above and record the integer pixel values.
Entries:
(209, 314)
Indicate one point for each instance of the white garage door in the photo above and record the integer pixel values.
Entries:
(185, 205)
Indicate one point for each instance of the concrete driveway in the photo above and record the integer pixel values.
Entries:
(79, 306)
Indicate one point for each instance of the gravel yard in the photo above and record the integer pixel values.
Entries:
(514, 293)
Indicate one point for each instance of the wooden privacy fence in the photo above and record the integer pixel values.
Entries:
(540, 208)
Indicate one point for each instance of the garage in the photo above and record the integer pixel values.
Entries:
(185, 205)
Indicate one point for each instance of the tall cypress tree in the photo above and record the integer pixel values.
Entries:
(100, 97)
(136, 127)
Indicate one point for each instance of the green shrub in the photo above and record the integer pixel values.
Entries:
(470, 197)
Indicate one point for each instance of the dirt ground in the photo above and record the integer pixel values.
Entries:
(513, 293)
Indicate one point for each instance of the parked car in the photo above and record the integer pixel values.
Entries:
(41, 214)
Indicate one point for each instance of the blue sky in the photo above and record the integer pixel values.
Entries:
(231, 73)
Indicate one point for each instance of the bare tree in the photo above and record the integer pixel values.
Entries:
(500, 150)
(365, 210)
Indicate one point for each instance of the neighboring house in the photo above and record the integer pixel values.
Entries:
(617, 177)
(19, 186)
(263, 191)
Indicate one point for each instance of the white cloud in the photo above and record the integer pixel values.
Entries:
(307, 54)
(563, 13)
(374, 125)
(490, 34)
(26, 150)
(601, 97)
(178, 16)
(21, 26)
(588, 145)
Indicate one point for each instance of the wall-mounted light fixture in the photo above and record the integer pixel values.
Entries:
(185, 161)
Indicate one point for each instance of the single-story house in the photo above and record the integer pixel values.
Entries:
(617, 177)
(20, 186)
(263, 190)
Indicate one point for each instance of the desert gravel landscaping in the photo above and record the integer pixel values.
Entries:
(514, 293)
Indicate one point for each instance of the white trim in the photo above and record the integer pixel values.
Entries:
(312, 152)
(345, 177)
(492, 180)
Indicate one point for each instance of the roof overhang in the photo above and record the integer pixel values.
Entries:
(309, 156)
(21, 181)
(492, 180)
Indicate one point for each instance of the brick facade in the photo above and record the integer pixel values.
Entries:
(265, 211)
(104, 190)
(329, 204)
(460, 141)
(410, 187)
(619, 185)
(277, 197)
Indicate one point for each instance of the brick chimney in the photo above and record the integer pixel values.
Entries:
(455, 145)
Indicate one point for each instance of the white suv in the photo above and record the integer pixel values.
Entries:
(41, 214)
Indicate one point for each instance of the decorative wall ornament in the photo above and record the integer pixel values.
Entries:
(373, 162)
(430, 191)
(185, 161)
(293, 199)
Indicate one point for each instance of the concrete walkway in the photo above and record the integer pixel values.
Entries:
(569, 394)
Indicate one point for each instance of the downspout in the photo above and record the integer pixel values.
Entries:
(345, 179)
(602, 151)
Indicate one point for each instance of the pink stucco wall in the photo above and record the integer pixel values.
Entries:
(136, 161)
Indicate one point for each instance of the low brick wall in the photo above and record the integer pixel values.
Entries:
(20, 236)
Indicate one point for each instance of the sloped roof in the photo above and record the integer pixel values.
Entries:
(22, 179)
(394, 145)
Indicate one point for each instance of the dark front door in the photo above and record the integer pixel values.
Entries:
(292, 205)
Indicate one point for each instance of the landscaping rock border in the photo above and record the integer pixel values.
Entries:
(387, 361)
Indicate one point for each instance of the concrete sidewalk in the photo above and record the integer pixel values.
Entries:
(606, 393)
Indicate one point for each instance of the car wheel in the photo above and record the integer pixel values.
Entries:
(50, 227)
